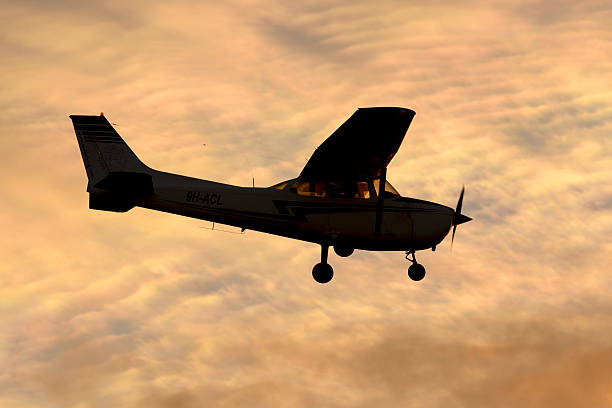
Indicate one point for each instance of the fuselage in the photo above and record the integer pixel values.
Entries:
(334, 201)
(407, 223)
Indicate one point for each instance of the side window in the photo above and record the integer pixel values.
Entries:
(359, 189)
(347, 190)
(309, 188)
(363, 190)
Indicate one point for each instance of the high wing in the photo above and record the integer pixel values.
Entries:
(361, 147)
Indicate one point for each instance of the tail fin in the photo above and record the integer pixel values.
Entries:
(115, 174)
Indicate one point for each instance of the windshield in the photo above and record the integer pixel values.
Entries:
(281, 185)
(390, 191)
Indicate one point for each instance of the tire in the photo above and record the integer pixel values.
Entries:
(322, 273)
(343, 251)
(416, 272)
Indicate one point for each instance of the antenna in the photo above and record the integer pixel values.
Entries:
(224, 230)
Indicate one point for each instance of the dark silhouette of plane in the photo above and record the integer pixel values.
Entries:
(335, 201)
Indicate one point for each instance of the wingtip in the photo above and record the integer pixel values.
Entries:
(399, 108)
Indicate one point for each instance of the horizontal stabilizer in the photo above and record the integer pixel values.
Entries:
(127, 184)
(109, 202)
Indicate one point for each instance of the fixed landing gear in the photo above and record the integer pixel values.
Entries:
(323, 272)
(343, 251)
(416, 271)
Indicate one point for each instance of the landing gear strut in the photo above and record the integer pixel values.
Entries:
(416, 271)
(323, 272)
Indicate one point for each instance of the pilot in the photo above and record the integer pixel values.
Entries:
(319, 189)
(350, 189)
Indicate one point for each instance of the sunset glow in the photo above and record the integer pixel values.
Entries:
(147, 309)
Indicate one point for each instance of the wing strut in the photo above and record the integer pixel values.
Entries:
(381, 199)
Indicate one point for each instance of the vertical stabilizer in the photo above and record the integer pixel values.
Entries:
(114, 172)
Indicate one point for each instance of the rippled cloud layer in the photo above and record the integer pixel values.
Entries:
(147, 309)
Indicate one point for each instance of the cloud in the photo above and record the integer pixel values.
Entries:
(148, 309)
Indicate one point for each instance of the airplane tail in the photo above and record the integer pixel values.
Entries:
(116, 177)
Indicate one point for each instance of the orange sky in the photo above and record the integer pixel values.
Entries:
(147, 309)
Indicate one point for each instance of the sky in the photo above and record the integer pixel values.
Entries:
(147, 309)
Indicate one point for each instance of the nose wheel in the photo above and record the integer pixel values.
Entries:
(323, 272)
(416, 271)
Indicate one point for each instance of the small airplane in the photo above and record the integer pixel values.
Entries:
(335, 201)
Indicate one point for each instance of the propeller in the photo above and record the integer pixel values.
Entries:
(459, 218)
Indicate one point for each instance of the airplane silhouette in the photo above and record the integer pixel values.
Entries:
(335, 201)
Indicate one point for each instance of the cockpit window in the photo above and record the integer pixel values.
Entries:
(309, 188)
(363, 190)
(390, 191)
(281, 186)
(331, 189)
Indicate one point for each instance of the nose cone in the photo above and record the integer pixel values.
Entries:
(460, 219)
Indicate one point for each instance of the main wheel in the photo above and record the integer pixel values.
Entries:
(416, 272)
(343, 251)
(322, 273)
